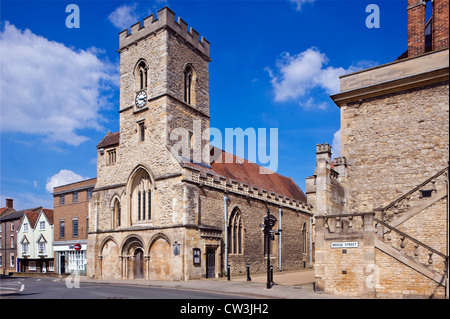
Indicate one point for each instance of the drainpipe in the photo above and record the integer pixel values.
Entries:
(310, 242)
(225, 214)
(448, 242)
(279, 238)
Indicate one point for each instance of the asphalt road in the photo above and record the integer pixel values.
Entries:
(49, 288)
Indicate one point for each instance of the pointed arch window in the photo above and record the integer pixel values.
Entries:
(141, 75)
(304, 239)
(116, 213)
(189, 85)
(235, 233)
(141, 197)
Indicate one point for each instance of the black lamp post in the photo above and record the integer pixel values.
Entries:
(269, 222)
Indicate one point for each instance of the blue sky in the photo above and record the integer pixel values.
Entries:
(274, 65)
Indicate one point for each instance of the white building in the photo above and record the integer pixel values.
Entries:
(35, 241)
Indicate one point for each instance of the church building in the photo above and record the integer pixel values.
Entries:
(166, 205)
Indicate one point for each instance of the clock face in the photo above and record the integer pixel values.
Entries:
(141, 99)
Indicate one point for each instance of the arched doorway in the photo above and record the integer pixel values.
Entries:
(133, 258)
(139, 263)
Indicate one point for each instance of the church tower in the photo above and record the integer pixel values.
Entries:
(141, 208)
(164, 85)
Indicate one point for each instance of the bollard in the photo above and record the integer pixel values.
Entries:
(248, 273)
(228, 272)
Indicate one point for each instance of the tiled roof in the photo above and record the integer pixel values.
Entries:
(6, 210)
(17, 214)
(109, 140)
(49, 214)
(243, 171)
(32, 217)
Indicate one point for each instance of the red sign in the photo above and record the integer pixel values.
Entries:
(77, 247)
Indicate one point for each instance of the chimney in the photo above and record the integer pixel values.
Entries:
(416, 27)
(9, 203)
(440, 24)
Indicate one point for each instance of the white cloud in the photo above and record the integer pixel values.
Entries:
(63, 177)
(300, 3)
(311, 104)
(336, 145)
(298, 74)
(49, 89)
(124, 16)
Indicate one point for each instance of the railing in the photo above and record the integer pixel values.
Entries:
(345, 224)
(403, 203)
(402, 242)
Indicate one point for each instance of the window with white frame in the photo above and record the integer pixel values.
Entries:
(77, 260)
(11, 260)
(32, 265)
(25, 227)
(12, 241)
(42, 225)
(41, 247)
(25, 248)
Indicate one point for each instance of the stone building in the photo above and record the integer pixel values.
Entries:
(381, 209)
(166, 205)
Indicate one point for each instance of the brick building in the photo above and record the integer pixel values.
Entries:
(156, 213)
(71, 213)
(10, 220)
(381, 209)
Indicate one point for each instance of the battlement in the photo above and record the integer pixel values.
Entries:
(340, 161)
(323, 148)
(165, 19)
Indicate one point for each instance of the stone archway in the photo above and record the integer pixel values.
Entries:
(110, 266)
(160, 260)
(133, 258)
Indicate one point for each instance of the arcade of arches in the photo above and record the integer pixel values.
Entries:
(133, 260)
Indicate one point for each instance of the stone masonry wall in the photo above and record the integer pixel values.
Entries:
(253, 213)
(393, 143)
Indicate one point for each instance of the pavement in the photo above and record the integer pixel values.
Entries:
(288, 285)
